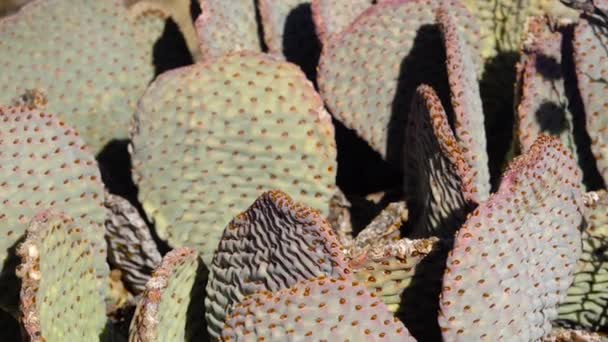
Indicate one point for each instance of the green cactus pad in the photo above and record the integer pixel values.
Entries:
(45, 164)
(462, 69)
(543, 106)
(332, 16)
(372, 94)
(149, 21)
(131, 247)
(240, 125)
(587, 299)
(273, 245)
(514, 258)
(227, 26)
(61, 295)
(328, 309)
(590, 54)
(84, 56)
(439, 183)
(170, 309)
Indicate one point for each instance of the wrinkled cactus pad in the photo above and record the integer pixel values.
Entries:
(514, 258)
(587, 299)
(332, 16)
(439, 182)
(62, 296)
(331, 309)
(227, 26)
(371, 95)
(84, 56)
(45, 164)
(240, 125)
(170, 309)
(249, 258)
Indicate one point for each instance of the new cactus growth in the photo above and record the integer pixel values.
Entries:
(62, 296)
(243, 123)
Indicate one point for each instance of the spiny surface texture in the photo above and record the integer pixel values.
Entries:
(439, 183)
(171, 301)
(591, 58)
(587, 299)
(372, 95)
(273, 245)
(239, 125)
(84, 56)
(463, 71)
(331, 309)
(61, 295)
(45, 164)
(332, 16)
(227, 26)
(514, 258)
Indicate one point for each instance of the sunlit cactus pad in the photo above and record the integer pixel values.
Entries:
(587, 299)
(514, 258)
(61, 296)
(332, 309)
(210, 138)
(170, 309)
(84, 56)
(249, 260)
(332, 16)
(369, 72)
(227, 26)
(45, 164)
(590, 55)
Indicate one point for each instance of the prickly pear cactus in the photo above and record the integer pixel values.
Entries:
(587, 299)
(372, 95)
(170, 309)
(62, 296)
(44, 163)
(248, 259)
(332, 16)
(439, 182)
(317, 309)
(227, 26)
(86, 59)
(131, 247)
(590, 54)
(514, 257)
(240, 124)
(543, 106)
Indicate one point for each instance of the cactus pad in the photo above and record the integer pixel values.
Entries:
(372, 95)
(248, 258)
(227, 26)
(61, 294)
(318, 309)
(590, 55)
(44, 164)
(543, 106)
(514, 257)
(462, 69)
(131, 247)
(84, 56)
(332, 16)
(241, 124)
(439, 183)
(173, 296)
(587, 299)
